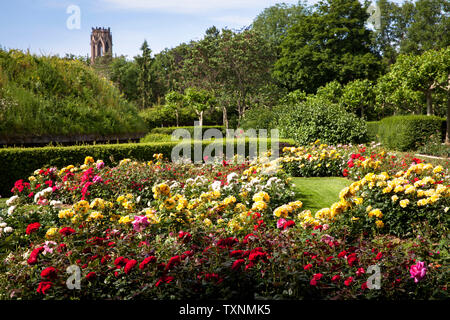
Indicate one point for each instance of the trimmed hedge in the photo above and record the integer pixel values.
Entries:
(20, 163)
(169, 130)
(372, 130)
(405, 133)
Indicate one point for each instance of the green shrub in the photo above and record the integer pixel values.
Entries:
(19, 163)
(434, 147)
(53, 96)
(317, 118)
(259, 118)
(156, 137)
(159, 116)
(372, 130)
(405, 133)
(169, 130)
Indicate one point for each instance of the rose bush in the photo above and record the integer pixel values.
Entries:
(161, 230)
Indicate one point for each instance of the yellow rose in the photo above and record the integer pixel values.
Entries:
(404, 203)
(88, 160)
(52, 232)
(379, 224)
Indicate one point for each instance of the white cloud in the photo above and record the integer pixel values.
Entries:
(191, 6)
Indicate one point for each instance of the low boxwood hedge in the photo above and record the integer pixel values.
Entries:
(404, 133)
(372, 130)
(19, 163)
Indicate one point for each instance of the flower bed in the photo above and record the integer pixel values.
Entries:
(160, 230)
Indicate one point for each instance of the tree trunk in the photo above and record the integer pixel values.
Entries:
(200, 119)
(447, 135)
(225, 117)
(429, 103)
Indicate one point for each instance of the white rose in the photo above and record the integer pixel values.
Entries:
(11, 201)
(11, 209)
(7, 230)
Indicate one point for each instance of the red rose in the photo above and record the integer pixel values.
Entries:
(313, 282)
(336, 278)
(62, 247)
(228, 242)
(49, 273)
(164, 279)
(236, 253)
(120, 262)
(364, 286)
(43, 287)
(32, 227)
(317, 276)
(91, 276)
(352, 259)
(66, 231)
(147, 261)
(237, 264)
(360, 271)
(129, 266)
(288, 224)
(173, 262)
(342, 254)
(308, 266)
(184, 236)
(34, 254)
(105, 259)
(348, 281)
(379, 255)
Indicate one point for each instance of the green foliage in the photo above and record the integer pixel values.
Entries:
(144, 76)
(21, 162)
(155, 137)
(169, 130)
(404, 133)
(333, 43)
(372, 130)
(50, 95)
(125, 74)
(358, 96)
(259, 118)
(434, 146)
(317, 118)
(273, 22)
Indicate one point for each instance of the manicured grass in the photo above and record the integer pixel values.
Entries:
(318, 193)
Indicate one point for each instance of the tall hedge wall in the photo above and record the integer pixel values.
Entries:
(404, 133)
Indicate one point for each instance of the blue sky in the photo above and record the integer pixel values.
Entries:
(40, 25)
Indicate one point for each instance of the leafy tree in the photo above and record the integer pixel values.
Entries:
(273, 22)
(429, 27)
(245, 60)
(144, 79)
(332, 91)
(125, 75)
(358, 96)
(175, 101)
(330, 44)
(201, 100)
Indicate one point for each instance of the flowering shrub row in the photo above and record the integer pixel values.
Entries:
(164, 230)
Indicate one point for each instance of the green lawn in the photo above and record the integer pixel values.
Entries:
(3, 202)
(318, 193)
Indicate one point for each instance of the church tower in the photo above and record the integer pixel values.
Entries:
(101, 42)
